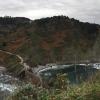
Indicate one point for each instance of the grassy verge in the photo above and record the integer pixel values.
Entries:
(89, 90)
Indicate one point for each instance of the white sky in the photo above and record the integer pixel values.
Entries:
(84, 10)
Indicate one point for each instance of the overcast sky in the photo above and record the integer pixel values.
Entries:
(84, 10)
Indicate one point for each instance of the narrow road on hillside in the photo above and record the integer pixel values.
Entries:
(26, 67)
(35, 78)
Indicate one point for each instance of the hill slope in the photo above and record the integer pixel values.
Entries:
(55, 39)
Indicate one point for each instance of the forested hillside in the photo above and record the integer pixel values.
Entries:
(48, 40)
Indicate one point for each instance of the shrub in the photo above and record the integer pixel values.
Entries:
(85, 91)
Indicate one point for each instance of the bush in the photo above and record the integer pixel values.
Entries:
(85, 91)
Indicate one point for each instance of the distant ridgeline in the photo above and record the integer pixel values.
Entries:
(48, 40)
(13, 20)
